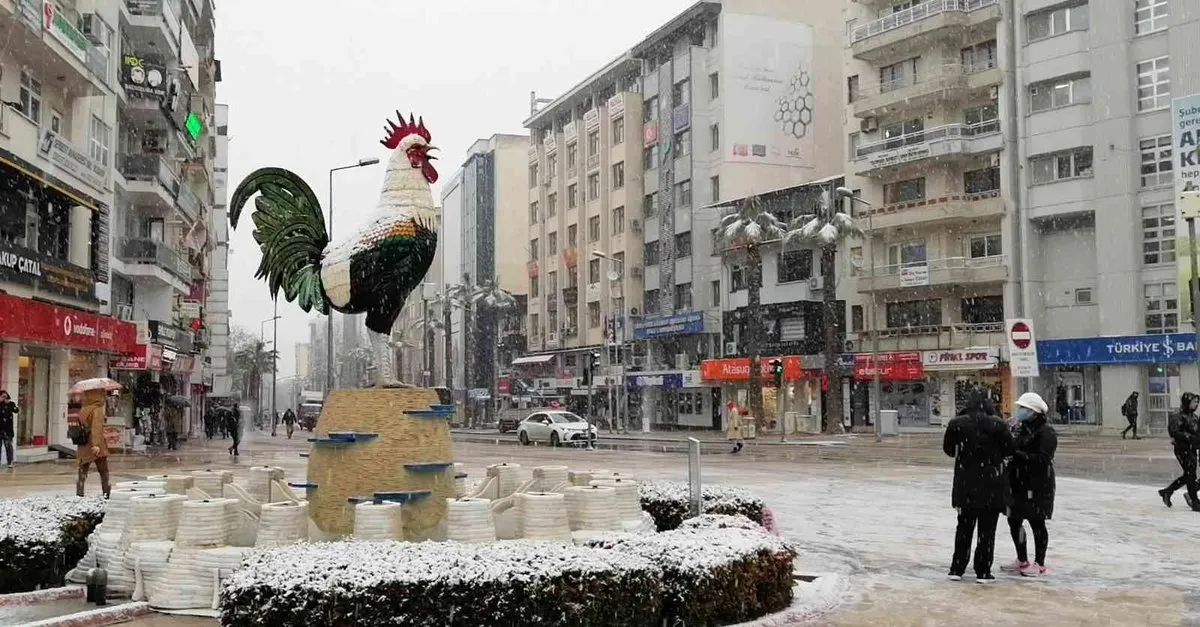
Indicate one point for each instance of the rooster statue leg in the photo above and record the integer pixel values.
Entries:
(385, 362)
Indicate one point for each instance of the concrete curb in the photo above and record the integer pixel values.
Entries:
(99, 617)
(42, 596)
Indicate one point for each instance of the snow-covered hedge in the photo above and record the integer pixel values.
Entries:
(506, 584)
(721, 521)
(715, 576)
(41, 538)
(667, 502)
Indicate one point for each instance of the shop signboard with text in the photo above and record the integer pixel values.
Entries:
(33, 321)
(73, 159)
(143, 357)
(671, 380)
(29, 267)
(650, 327)
(142, 77)
(984, 358)
(905, 366)
(738, 369)
(1163, 348)
(1185, 138)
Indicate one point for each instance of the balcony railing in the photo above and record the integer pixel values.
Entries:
(932, 77)
(923, 144)
(946, 263)
(148, 251)
(914, 14)
(149, 168)
(957, 329)
(189, 203)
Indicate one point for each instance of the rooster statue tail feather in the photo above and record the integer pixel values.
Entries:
(374, 269)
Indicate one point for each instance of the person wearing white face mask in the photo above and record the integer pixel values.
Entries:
(1031, 477)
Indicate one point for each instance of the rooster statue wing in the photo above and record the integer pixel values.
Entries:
(372, 271)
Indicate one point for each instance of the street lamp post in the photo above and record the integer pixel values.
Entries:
(329, 231)
(262, 340)
(618, 414)
(843, 192)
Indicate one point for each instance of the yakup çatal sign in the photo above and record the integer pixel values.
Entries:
(29, 267)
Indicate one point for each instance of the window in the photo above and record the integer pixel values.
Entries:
(534, 215)
(1149, 16)
(593, 143)
(572, 235)
(715, 184)
(552, 282)
(594, 271)
(650, 157)
(572, 319)
(533, 249)
(31, 97)
(650, 254)
(904, 133)
(683, 297)
(715, 291)
(904, 191)
(898, 75)
(1057, 21)
(650, 301)
(650, 205)
(552, 244)
(980, 57)
(856, 318)
(650, 110)
(1162, 307)
(981, 181)
(738, 277)
(683, 194)
(594, 314)
(1156, 161)
(1060, 92)
(906, 254)
(1158, 234)
(714, 86)
(795, 265)
(551, 205)
(914, 313)
(619, 267)
(714, 134)
(981, 120)
(683, 245)
(681, 93)
(1060, 166)
(551, 166)
(985, 246)
(533, 324)
(717, 244)
(572, 157)
(56, 121)
(99, 141)
(572, 196)
(533, 175)
(1153, 84)
(618, 221)
(852, 88)
(982, 309)
(533, 287)
(618, 175)
(618, 131)
(593, 186)
(683, 141)
(1083, 296)
(594, 229)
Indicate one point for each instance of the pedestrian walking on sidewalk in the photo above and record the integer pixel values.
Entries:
(734, 426)
(1130, 411)
(8, 412)
(289, 421)
(979, 442)
(234, 426)
(1031, 478)
(1184, 428)
(93, 417)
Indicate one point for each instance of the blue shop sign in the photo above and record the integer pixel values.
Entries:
(651, 327)
(1164, 348)
(671, 380)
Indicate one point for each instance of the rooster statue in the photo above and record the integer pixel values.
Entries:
(374, 270)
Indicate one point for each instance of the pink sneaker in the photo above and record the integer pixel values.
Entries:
(1034, 570)
(1015, 567)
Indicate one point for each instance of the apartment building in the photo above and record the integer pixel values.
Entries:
(1010, 148)
(725, 100)
(217, 314)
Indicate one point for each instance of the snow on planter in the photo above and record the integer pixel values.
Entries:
(718, 576)
(667, 502)
(507, 584)
(43, 537)
(721, 521)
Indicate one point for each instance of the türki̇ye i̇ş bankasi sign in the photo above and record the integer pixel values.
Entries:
(1166, 348)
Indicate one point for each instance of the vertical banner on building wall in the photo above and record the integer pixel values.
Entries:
(1185, 136)
(768, 91)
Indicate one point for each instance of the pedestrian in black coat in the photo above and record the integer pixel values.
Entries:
(979, 442)
(1184, 428)
(1031, 478)
(8, 412)
(1130, 411)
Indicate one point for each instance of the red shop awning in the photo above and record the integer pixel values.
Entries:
(34, 321)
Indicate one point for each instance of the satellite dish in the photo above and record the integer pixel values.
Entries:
(613, 275)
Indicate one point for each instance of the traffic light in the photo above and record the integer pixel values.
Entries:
(777, 372)
(589, 369)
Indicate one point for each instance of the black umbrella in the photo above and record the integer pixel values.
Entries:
(178, 401)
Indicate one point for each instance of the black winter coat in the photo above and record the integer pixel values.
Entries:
(1031, 472)
(7, 411)
(1184, 430)
(979, 444)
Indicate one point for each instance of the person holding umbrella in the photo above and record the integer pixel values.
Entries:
(88, 435)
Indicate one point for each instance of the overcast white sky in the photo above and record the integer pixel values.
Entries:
(309, 85)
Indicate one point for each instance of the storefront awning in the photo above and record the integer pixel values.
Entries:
(532, 359)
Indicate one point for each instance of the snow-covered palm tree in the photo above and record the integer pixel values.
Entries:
(744, 231)
(827, 227)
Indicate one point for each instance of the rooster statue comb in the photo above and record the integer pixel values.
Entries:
(371, 271)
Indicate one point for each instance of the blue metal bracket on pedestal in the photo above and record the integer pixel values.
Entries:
(428, 467)
(344, 437)
(391, 497)
(302, 486)
(430, 413)
(303, 454)
(461, 475)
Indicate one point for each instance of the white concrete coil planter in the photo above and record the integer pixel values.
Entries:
(508, 478)
(542, 516)
(148, 560)
(280, 524)
(469, 520)
(259, 485)
(378, 522)
(203, 524)
(152, 517)
(210, 481)
(550, 477)
(193, 577)
(179, 484)
(584, 477)
(628, 503)
(110, 556)
(460, 486)
(593, 508)
(117, 510)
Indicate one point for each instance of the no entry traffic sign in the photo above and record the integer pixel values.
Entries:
(1022, 348)
(1021, 334)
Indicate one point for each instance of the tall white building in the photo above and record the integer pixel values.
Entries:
(1018, 157)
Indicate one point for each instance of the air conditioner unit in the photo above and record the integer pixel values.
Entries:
(730, 348)
(994, 92)
(639, 361)
(92, 28)
(869, 125)
(636, 272)
(635, 225)
(994, 160)
(816, 283)
(125, 312)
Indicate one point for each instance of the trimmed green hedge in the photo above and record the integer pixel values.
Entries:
(667, 502)
(718, 576)
(505, 584)
(42, 538)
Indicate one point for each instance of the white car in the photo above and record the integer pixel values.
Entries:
(555, 427)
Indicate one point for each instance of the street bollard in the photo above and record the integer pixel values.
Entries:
(697, 499)
(97, 586)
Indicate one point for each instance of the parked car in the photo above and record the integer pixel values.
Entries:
(555, 427)
(507, 423)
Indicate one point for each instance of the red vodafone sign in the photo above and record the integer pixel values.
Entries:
(1022, 347)
(34, 321)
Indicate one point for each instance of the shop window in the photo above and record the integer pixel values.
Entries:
(1162, 307)
(914, 313)
(795, 265)
(983, 309)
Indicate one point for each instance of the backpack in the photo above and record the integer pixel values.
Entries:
(77, 434)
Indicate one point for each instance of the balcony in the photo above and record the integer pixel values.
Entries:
(949, 141)
(933, 337)
(150, 181)
(913, 92)
(188, 203)
(946, 271)
(57, 47)
(946, 209)
(571, 295)
(918, 27)
(153, 24)
(150, 259)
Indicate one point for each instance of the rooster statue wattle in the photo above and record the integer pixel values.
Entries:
(372, 271)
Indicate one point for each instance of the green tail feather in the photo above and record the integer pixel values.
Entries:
(290, 230)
